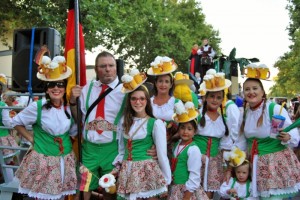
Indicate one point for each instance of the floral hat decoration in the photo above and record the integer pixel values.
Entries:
(235, 157)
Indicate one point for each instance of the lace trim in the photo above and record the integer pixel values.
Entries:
(45, 196)
(278, 192)
(146, 194)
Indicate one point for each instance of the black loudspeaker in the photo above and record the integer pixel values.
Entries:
(120, 68)
(21, 56)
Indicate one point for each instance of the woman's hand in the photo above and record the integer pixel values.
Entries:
(152, 152)
(187, 195)
(75, 92)
(227, 175)
(283, 136)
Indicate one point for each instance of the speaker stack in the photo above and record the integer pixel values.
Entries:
(21, 56)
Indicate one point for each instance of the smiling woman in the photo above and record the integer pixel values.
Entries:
(48, 170)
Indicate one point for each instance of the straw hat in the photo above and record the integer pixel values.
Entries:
(185, 112)
(235, 157)
(181, 78)
(162, 65)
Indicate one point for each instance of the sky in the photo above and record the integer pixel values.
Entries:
(256, 28)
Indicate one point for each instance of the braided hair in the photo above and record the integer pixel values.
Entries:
(264, 97)
(204, 110)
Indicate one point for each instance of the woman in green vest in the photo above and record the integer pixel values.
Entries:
(276, 171)
(186, 160)
(140, 176)
(48, 170)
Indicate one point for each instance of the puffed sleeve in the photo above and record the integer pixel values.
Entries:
(121, 148)
(73, 130)
(212, 53)
(199, 52)
(226, 143)
(223, 189)
(26, 117)
(294, 141)
(233, 117)
(160, 140)
(194, 166)
(241, 142)
(6, 119)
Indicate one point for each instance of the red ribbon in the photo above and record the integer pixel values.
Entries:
(254, 149)
(208, 147)
(129, 147)
(61, 147)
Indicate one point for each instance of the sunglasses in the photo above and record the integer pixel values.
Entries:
(57, 84)
(135, 99)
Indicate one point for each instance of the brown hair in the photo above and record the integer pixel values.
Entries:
(202, 120)
(246, 162)
(129, 113)
(260, 119)
(192, 122)
(103, 54)
(172, 83)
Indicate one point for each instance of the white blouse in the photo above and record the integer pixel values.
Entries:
(194, 166)
(54, 120)
(251, 129)
(6, 119)
(216, 129)
(165, 111)
(240, 188)
(233, 117)
(160, 141)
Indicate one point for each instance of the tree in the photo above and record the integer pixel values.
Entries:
(136, 30)
(287, 81)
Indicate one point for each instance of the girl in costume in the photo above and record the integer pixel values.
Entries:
(48, 170)
(276, 171)
(240, 186)
(140, 176)
(186, 161)
(212, 137)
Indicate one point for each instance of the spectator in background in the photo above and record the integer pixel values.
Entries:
(195, 60)
(207, 54)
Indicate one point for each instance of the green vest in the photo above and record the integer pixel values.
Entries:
(202, 142)
(3, 132)
(46, 143)
(266, 145)
(247, 187)
(140, 146)
(181, 173)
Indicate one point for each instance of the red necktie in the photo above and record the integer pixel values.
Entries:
(100, 108)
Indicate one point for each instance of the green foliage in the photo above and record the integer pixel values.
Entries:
(136, 30)
(287, 81)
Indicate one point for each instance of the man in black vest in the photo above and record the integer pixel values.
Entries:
(207, 54)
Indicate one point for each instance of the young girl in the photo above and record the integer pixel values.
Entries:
(240, 186)
(212, 137)
(140, 176)
(186, 161)
(276, 171)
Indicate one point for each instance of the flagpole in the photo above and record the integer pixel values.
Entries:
(77, 70)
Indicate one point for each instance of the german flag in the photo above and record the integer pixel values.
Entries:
(70, 50)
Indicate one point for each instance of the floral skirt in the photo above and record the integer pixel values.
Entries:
(278, 173)
(9, 140)
(142, 179)
(47, 177)
(215, 172)
(177, 192)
